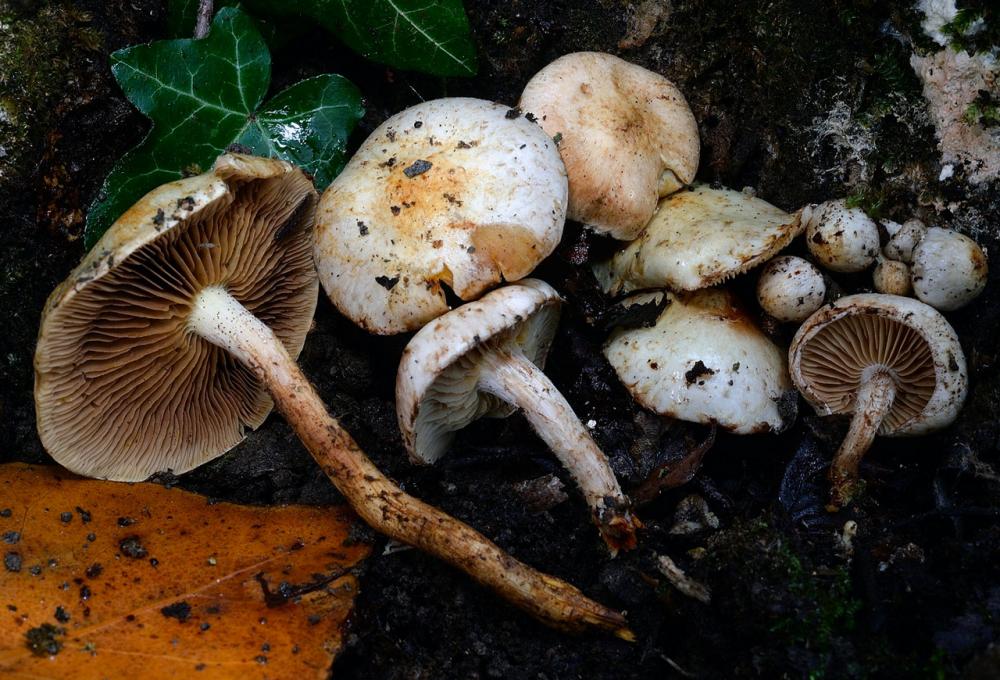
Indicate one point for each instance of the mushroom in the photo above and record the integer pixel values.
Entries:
(704, 361)
(698, 239)
(903, 240)
(843, 239)
(626, 134)
(485, 358)
(891, 277)
(178, 329)
(451, 193)
(790, 288)
(949, 269)
(892, 362)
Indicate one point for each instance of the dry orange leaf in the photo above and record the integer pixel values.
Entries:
(108, 580)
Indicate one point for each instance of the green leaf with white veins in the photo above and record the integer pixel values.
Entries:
(204, 95)
(424, 35)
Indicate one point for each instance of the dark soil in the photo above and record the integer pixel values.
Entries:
(917, 592)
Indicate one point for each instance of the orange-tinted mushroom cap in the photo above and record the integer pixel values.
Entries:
(123, 389)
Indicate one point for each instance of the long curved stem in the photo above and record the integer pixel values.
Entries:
(222, 320)
(872, 404)
(511, 376)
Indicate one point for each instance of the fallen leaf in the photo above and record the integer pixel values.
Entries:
(136, 580)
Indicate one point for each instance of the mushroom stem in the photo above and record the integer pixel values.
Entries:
(872, 404)
(220, 319)
(511, 376)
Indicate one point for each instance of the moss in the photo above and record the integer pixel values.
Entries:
(792, 611)
(55, 40)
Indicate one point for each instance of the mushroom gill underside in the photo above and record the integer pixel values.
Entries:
(836, 360)
(115, 332)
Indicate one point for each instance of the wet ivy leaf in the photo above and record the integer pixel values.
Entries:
(231, 591)
(423, 35)
(203, 96)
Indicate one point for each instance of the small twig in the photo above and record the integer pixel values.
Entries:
(206, 8)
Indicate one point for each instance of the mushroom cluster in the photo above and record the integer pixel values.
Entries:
(179, 330)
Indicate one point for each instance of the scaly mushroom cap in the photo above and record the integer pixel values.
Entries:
(892, 277)
(838, 347)
(436, 392)
(455, 192)
(122, 389)
(627, 136)
(949, 269)
(698, 239)
(706, 362)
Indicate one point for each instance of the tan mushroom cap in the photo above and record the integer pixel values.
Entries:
(453, 192)
(698, 239)
(627, 137)
(837, 348)
(122, 388)
(704, 361)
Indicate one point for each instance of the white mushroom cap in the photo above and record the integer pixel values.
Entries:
(790, 288)
(704, 361)
(892, 277)
(437, 393)
(949, 269)
(901, 244)
(835, 349)
(452, 192)
(698, 239)
(843, 239)
(627, 136)
(484, 359)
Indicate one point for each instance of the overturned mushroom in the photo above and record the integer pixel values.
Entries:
(178, 329)
(790, 288)
(842, 238)
(698, 239)
(704, 361)
(452, 193)
(484, 359)
(949, 269)
(626, 134)
(894, 363)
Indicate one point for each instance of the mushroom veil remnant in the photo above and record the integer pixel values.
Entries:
(178, 329)
(484, 359)
(892, 362)
(452, 193)
(627, 136)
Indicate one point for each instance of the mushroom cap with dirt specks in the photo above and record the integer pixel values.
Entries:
(843, 239)
(697, 239)
(122, 389)
(704, 361)
(949, 269)
(627, 136)
(835, 350)
(790, 288)
(436, 386)
(459, 193)
(902, 242)
(892, 277)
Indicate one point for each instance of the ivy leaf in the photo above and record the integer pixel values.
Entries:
(423, 35)
(203, 96)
